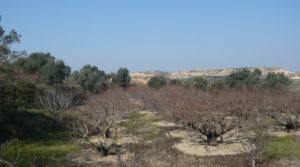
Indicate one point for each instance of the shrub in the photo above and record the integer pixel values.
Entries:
(243, 78)
(122, 78)
(52, 71)
(14, 94)
(196, 82)
(276, 80)
(217, 84)
(157, 82)
(89, 78)
(26, 94)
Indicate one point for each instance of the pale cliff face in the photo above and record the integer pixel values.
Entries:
(141, 78)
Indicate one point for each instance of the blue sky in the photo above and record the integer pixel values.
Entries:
(168, 35)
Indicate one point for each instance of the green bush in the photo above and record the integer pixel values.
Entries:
(276, 80)
(7, 95)
(89, 78)
(217, 84)
(26, 94)
(195, 82)
(53, 71)
(157, 82)
(243, 78)
(15, 94)
(122, 78)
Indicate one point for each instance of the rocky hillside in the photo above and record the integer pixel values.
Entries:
(143, 77)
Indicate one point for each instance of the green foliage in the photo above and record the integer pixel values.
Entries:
(279, 147)
(89, 78)
(7, 98)
(217, 84)
(243, 78)
(26, 94)
(14, 94)
(122, 78)
(110, 76)
(6, 55)
(278, 80)
(37, 137)
(187, 83)
(195, 82)
(199, 82)
(157, 82)
(43, 150)
(34, 62)
(24, 124)
(53, 71)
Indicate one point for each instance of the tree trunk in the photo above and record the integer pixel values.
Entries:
(290, 126)
(107, 133)
(103, 150)
(212, 140)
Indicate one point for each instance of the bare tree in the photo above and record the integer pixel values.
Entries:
(100, 117)
(220, 113)
(253, 141)
(212, 114)
(58, 100)
(283, 107)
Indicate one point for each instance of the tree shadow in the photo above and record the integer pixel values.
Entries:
(24, 124)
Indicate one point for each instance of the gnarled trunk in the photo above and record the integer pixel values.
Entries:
(290, 126)
(103, 150)
(107, 133)
(212, 139)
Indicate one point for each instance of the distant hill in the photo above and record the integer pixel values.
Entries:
(143, 77)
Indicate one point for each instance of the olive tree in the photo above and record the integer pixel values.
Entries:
(6, 54)
(195, 82)
(276, 80)
(89, 78)
(243, 77)
(122, 78)
(52, 71)
(34, 62)
(217, 84)
(157, 82)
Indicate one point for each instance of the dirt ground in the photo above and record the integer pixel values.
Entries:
(158, 142)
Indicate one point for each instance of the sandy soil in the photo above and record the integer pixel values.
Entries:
(148, 113)
(190, 143)
(284, 133)
(190, 140)
(91, 157)
(164, 124)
